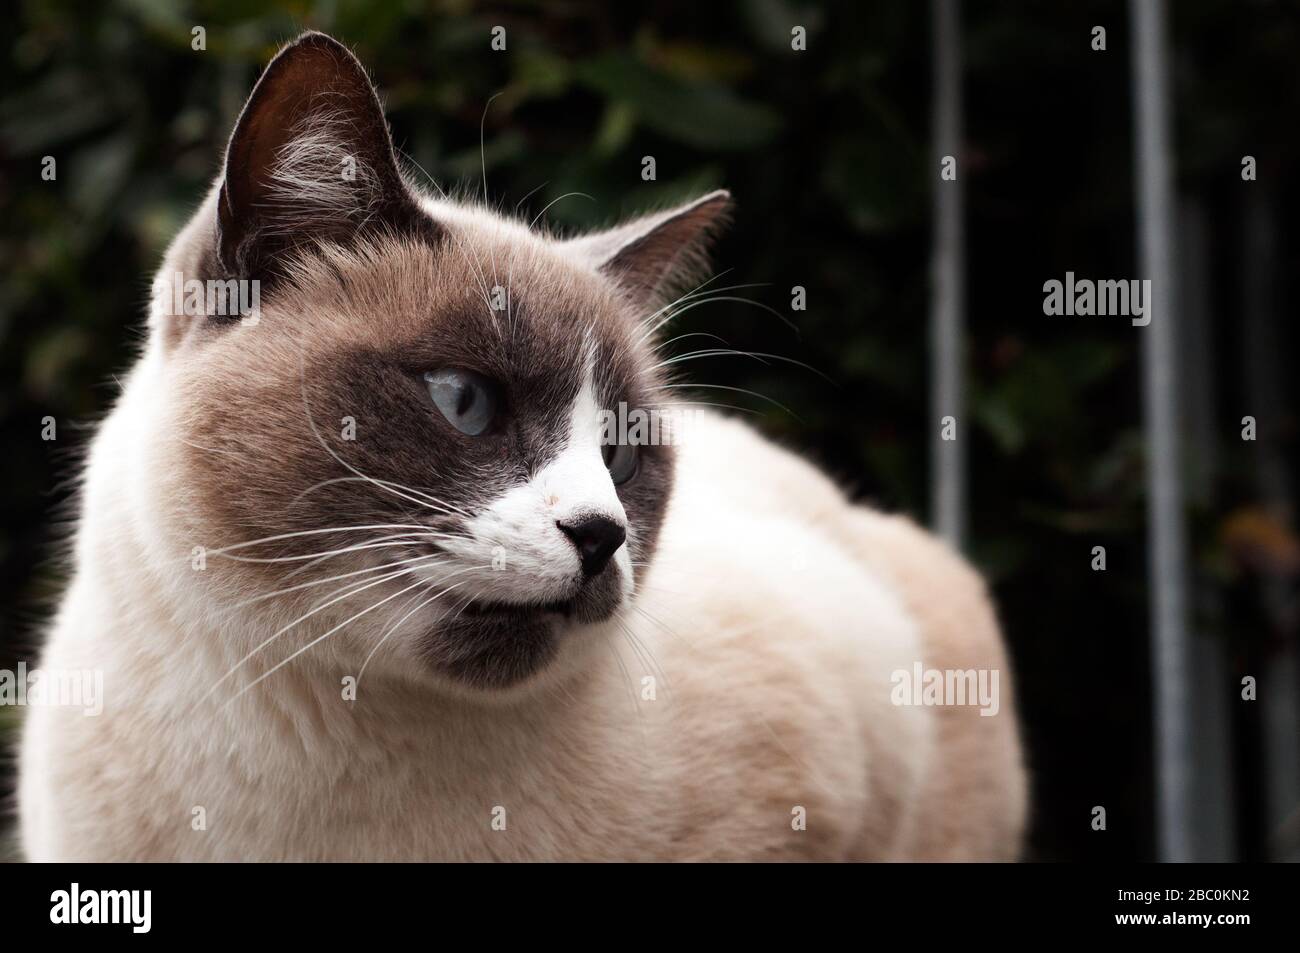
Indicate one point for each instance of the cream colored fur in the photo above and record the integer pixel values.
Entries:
(770, 622)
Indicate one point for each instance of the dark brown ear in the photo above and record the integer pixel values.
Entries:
(657, 252)
(311, 159)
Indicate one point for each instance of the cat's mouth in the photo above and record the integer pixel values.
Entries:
(480, 608)
(593, 601)
(494, 643)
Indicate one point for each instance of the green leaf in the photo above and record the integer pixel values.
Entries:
(702, 115)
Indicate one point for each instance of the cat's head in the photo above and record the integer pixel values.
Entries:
(418, 420)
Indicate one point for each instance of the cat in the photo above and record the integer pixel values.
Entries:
(367, 578)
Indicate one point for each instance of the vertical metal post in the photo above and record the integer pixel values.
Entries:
(948, 280)
(1165, 536)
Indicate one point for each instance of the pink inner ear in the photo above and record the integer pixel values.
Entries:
(314, 75)
(315, 90)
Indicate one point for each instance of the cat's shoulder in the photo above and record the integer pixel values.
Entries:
(722, 458)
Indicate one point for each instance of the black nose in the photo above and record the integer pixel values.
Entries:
(597, 537)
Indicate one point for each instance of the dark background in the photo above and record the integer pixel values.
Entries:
(827, 153)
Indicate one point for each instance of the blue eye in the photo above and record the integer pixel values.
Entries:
(621, 461)
(466, 399)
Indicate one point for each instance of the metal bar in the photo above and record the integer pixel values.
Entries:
(1165, 535)
(948, 279)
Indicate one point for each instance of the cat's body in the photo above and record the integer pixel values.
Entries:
(771, 658)
(720, 688)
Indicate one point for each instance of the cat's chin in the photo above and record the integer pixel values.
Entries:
(498, 645)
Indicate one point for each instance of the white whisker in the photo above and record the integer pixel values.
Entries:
(395, 626)
(281, 664)
(279, 632)
(321, 582)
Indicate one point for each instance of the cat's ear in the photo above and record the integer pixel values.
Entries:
(311, 159)
(651, 255)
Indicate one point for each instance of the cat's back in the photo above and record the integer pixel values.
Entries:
(849, 595)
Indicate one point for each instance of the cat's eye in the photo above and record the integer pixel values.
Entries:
(468, 400)
(621, 460)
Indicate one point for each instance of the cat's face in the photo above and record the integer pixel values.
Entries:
(423, 422)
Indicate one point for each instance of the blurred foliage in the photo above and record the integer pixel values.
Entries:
(827, 155)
